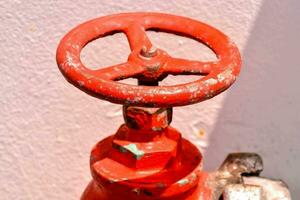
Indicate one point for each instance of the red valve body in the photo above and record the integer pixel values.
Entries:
(146, 159)
(174, 174)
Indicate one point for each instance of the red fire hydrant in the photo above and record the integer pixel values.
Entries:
(147, 158)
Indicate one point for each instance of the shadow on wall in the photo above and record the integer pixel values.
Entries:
(262, 110)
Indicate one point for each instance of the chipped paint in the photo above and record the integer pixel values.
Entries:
(183, 182)
(193, 177)
(193, 87)
(224, 75)
(113, 180)
(133, 149)
(122, 149)
(71, 60)
(211, 81)
(137, 191)
(80, 83)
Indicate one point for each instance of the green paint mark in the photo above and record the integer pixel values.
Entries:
(183, 182)
(136, 152)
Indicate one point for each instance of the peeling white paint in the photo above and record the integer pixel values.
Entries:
(211, 81)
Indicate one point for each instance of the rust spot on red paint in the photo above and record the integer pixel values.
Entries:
(201, 133)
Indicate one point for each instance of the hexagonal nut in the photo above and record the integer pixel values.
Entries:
(150, 155)
(155, 119)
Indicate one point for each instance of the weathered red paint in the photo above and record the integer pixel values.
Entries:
(148, 159)
(101, 83)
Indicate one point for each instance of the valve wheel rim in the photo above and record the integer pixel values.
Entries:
(102, 83)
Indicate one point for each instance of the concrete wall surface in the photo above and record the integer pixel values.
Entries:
(47, 126)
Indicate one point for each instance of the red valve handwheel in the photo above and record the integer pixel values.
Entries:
(148, 65)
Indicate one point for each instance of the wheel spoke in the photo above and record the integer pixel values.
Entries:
(178, 66)
(119, 72)
(137, 37)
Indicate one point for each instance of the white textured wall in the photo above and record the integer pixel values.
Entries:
(47, 127)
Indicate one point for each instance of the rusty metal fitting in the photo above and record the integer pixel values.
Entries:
(238, 179)
(257, 188)
(271, 188)
(243, 192)
(238, 164)
(154, 119)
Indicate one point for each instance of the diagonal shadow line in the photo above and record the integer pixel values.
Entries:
(261, 113)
